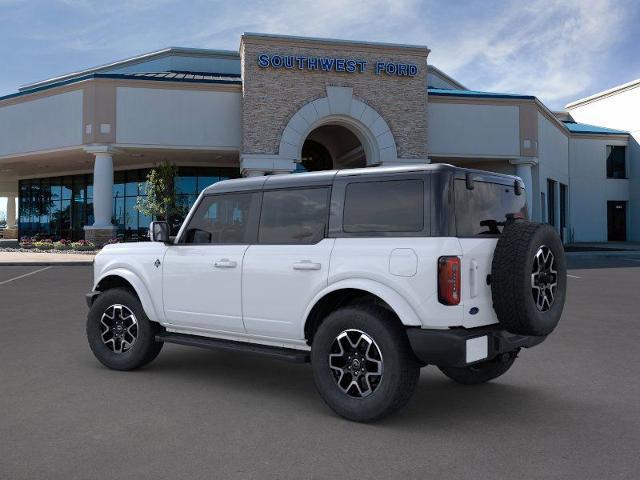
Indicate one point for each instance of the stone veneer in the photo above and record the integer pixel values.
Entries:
(272, 96)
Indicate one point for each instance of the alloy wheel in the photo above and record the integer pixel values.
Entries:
(118, 328)
(356, 363)
(544, 278)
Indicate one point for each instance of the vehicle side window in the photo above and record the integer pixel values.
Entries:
(294, 216)
(484, 210)
(223, 219)
(386, 206)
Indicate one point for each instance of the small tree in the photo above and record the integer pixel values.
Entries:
(160, 202)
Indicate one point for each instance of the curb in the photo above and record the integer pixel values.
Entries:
(604, 253)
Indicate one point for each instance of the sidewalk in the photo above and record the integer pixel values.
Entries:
(38, 259)
(603, 247)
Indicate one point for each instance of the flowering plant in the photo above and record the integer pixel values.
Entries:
(83, 245)
(62, 244)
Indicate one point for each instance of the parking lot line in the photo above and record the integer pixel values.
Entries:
(573, 276)
(25, 275)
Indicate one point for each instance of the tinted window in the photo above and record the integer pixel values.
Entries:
(616, 167)
(391, 206)
(223, 219)
(294, 216)
(484, 210)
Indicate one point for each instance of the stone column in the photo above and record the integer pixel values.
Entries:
(523, 170)
(102, 229)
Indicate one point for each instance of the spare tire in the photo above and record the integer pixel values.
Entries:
(528, 278)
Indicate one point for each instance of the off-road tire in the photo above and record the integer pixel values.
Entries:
(399, 366)
(511, 278)
(481, 372)
(142, 351)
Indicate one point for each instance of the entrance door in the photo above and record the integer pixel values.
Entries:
(202, 274)
(290, 264)
(617, 221)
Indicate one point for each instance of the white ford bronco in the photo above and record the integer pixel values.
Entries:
(368, 274)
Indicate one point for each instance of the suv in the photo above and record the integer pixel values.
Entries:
(369, 274)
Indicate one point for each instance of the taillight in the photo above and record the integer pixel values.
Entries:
(449, 280)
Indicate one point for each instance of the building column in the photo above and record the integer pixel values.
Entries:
(11, 211)
(102, 229)
(523, 170)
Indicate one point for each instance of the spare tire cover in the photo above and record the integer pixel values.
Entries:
(529, 278)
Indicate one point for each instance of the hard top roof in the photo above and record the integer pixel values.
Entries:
(325, 178)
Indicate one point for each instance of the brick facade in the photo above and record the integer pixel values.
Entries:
(272, 96)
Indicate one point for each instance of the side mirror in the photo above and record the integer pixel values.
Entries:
(159, 232)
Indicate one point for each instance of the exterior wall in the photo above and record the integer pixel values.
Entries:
(272, 96)
(473, 129)
(46, 123)
(620, 110)
(553, 163)
(590, 189)
(189, 118)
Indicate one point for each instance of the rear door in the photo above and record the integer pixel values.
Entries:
(480, 214)
(289, 265)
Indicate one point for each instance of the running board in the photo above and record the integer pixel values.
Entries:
(279, 353)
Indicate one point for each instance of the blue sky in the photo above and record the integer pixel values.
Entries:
(557, 50)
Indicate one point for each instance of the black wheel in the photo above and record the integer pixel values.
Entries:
(119, 333)
(363, 365)
(529, 278)
(480, 372)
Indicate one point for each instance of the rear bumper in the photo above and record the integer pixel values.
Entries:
(459, 347)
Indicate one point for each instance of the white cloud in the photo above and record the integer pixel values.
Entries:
(547, 48)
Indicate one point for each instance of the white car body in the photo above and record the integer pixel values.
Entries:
(264, 293)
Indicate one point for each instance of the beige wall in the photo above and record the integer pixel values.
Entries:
(177, 117)
(272, 96)
(44, 123)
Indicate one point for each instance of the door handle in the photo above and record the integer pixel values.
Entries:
(225, 263)
(306, 265)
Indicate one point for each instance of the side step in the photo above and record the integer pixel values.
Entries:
(279, 353)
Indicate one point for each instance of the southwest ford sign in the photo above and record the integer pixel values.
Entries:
(334, 64)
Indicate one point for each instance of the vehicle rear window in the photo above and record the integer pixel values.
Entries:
(295, 216)
(484, 210)
(388, 206)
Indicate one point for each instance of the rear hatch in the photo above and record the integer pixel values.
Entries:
(483, 204)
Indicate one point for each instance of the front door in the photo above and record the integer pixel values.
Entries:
(290, 264)
(617, 221)
(202, 274)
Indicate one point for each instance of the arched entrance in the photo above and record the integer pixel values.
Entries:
(336, 131)
(332, 146)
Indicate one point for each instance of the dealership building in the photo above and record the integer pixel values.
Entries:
(75, 149)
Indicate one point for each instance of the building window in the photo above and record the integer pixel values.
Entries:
(59, 207)
(551, 202)
(616, 163)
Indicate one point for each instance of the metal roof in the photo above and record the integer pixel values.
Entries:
(134, 60)
(444, 92)
(585, 128)
(187, 77)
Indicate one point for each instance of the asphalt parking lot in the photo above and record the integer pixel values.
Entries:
(567, 409)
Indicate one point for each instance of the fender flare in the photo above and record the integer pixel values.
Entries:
(398, 304)
(139, 287)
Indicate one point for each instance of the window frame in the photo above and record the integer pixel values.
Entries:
(325, 233)
(338, 200)
(252, 222)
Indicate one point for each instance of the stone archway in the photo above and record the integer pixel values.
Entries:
(339, 108)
